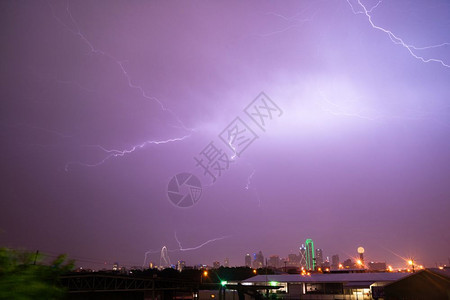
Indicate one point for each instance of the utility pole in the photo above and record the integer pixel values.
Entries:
(35, 256)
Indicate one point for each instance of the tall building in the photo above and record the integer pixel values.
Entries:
(326, 264)
(348, 264)
(377, 266)
(302, 256)
(258, 261)
(310, 255)
(216, 265)
(361, 257)
(335, 262)
(293, 260)
(274, 261)
(319, 257)
(181, 264)
(226, 262)
(248, 260)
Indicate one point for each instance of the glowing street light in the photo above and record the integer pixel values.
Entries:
(411, 263)
(360, 263)
(204, 274)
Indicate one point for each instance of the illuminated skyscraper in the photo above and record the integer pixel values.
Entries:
(248, 260)
(274, 261)
(319, 257)
(310, 255)
(302, 256)
(181, 264)
(361, 257)
(335, 262)
(258, 260)
(293, 260)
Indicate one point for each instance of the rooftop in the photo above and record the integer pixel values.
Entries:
(329, 277)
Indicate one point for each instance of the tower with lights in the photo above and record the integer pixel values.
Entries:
(310, 255)
(361, 257)
(302, 256)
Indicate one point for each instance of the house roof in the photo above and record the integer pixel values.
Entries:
(328, 277)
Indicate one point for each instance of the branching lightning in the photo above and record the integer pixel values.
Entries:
(119, 153)
(337, 109)
(249, 179)
(74, 28)
(248, 188)
(230, 142)
(147, 253)
(164, 251)
(397, 40)
(199, 246)
(121, 64)
(295, 21)
(362, 12)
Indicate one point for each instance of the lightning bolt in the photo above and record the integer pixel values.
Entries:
(180, 247)
(120, 63)
(362, 12)
(249, 179)
(397, 40)
(233, 157)
(74, 28)
(111, 153)
(295, 21)
(147, 253)
(337, 109)
(247, 186)
(199, 246)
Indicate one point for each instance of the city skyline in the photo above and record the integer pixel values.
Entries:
(258, 260)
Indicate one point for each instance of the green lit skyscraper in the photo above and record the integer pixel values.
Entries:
(310, 256)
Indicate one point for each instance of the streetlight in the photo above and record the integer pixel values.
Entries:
(204, 274)
(411, 263)
(360, 263)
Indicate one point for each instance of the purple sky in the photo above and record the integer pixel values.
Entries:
(360, 156)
